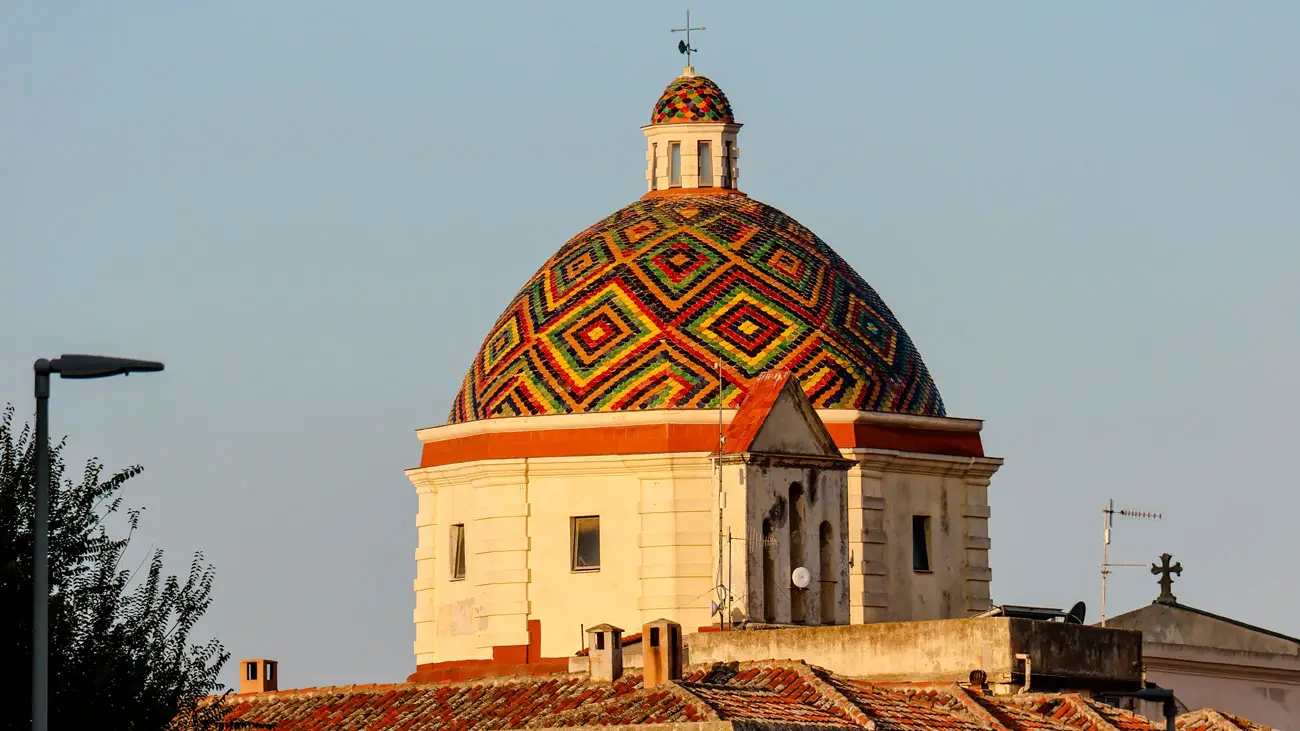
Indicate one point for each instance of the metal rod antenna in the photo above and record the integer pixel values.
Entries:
(731, 560)
(1108, 514)
(1106, 522)
(721, 495)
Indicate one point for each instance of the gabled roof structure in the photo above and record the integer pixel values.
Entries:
(777, 396)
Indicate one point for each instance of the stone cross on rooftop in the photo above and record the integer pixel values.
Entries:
(1165, 570)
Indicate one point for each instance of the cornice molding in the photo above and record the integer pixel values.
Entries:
(677, 416)
(877, 461)
(1221, 670)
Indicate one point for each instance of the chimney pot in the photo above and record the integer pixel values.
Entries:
(605, 655)
(663, 652)
(258, 675)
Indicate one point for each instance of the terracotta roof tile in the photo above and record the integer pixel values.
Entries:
(1035, 713)
(771, 695)
(1210, 719)
(907, 708)
(1120, 718)
(762, 396)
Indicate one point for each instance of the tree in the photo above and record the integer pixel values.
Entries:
(120, 652)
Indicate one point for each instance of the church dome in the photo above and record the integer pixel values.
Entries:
(638, 311)
(692, 98)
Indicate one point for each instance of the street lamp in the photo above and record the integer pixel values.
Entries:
(68, 366)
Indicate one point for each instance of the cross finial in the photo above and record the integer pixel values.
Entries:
(685, 46)
(1165, 570)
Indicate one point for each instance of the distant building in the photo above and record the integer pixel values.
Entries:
(690, 400)
(1211, 661)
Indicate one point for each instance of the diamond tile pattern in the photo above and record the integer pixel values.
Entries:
(774, 695)
(637, 311)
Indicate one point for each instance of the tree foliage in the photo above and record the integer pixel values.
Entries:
(120, 651)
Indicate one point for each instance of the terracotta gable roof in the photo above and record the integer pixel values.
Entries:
(753, 411)
(907, 708)
(764, 392)
(1056, 711)
(560, 700)
(770, 696)
(782, 694)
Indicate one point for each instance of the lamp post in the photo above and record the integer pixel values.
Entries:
(67, 366)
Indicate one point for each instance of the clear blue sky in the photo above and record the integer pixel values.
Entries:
(1085, 214)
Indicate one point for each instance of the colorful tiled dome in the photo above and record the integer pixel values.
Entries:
(692, 99)
(636, 311)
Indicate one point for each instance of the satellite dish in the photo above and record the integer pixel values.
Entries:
(681, 46)
(713, 608)
(801, 577)
(1076, 613)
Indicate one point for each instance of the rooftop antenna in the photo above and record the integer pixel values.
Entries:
(722, 498)
(1108, 514)
(685, 46)
(754, 538)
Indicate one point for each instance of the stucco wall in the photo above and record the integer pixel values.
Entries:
(1270, 702)
(656, 538)
(717, 134)
(885, 490)
(660, 523)
(1062, 655)
(1213, 663)
(1170, 625)
(447, 618)
(565, 600)
(760, 492)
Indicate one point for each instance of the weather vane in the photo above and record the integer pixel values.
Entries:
(685, 46)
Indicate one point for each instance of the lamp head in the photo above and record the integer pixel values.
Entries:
(100, 366)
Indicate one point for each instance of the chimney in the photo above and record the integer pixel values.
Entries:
(605, 653)
(662, 650)
(258, 675)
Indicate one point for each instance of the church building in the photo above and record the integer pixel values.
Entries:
(695, 410)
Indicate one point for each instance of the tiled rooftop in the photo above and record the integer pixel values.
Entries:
(774, 695)
(1208, 719)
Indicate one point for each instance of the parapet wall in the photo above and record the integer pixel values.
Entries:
(1061, 656)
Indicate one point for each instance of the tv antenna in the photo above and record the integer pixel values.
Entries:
(685, 46)
(1108, 514)
(722, 496)
(754, 538)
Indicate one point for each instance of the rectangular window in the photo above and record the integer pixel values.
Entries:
(458, 551)
(654, 166)
(586, 543)
(251, 671)
(654, 636)
(706, 165)
(674, 164)
(726, 165)
(270, 671)
(920, 543)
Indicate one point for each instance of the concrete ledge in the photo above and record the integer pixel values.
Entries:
(1062, 656)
